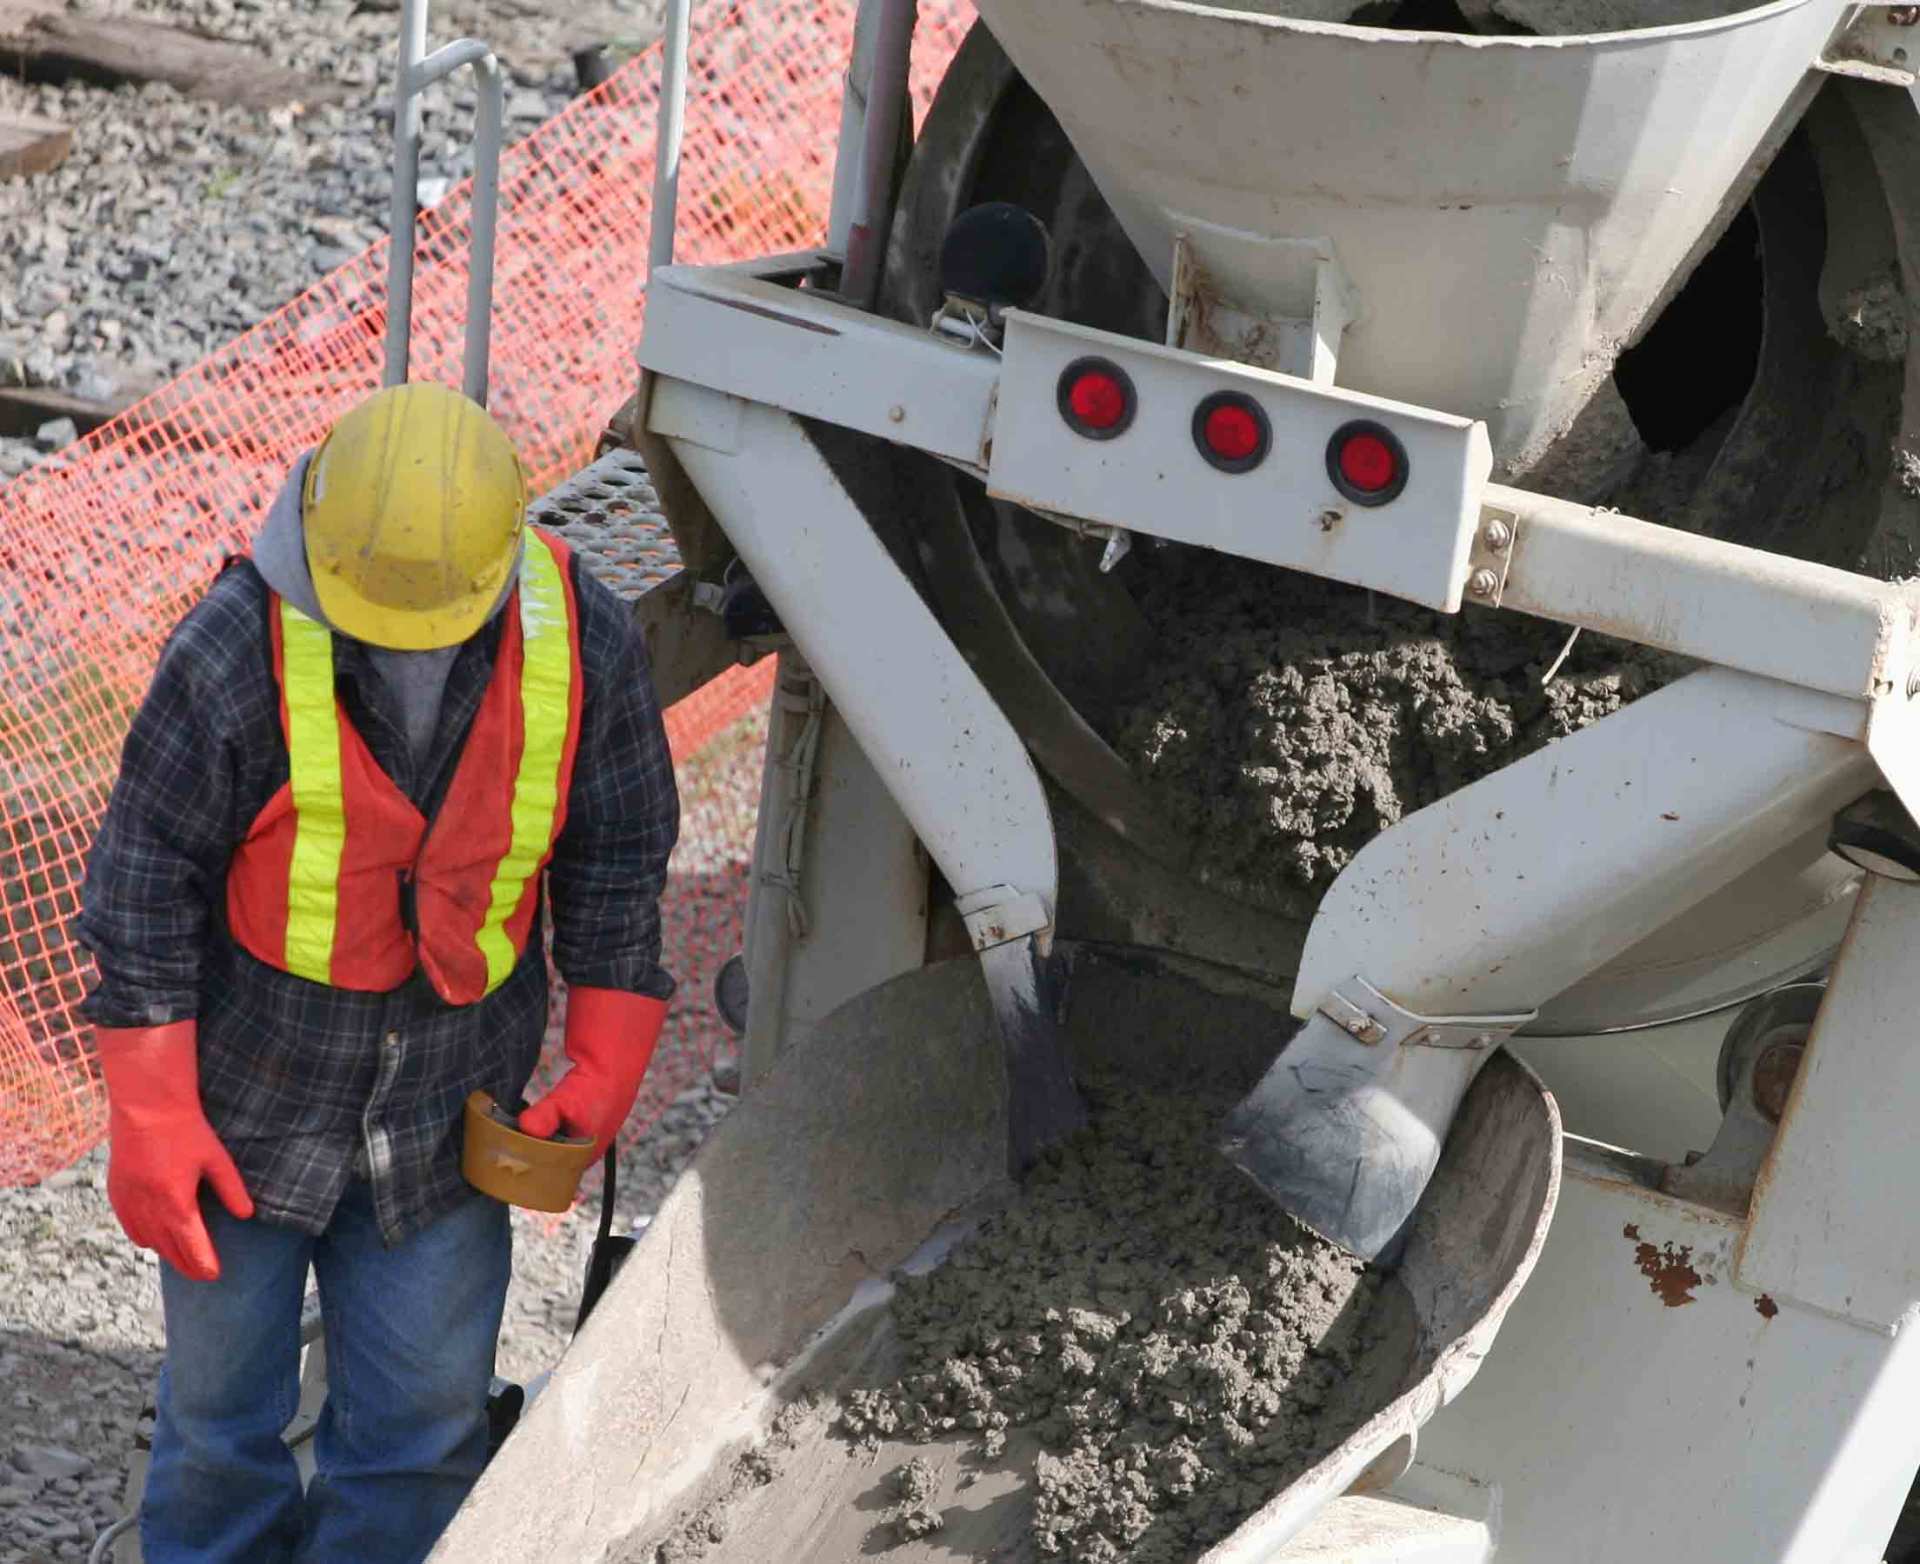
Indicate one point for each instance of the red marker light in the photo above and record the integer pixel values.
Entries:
(1367, 462)
(1231, 431)
(1096, 398)
(1099, 401)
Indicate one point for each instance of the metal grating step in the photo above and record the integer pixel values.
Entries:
(610, 514)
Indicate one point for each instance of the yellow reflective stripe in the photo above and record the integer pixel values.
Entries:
(546, 684)
(319, 804)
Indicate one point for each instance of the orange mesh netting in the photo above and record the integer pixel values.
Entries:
(103, 548)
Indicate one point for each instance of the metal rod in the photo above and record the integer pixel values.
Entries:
(406, 189)
(880, 144)
(448, 58)
(850, 145)
(419, 71)
(673, 115)
(485, 217)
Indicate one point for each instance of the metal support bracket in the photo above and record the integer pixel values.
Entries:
(1368, 1016)
(1491, 555)
(1881, 44)
(1301, 339)
(1000, 914)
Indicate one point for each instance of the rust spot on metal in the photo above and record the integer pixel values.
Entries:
(1765, 1307)
(1668, 1269)
(1631, 1230)
(1773, 1077)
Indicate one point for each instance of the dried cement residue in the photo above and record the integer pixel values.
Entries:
(755, 1468)
(1873, 321)
(1288, 720)
(1179, 1346)
(1567, 17)
(1906, 470)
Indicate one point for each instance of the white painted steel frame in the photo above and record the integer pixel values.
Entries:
(944, 749)
(1649, 1404)
(1512, 889)
(1153, 479)
(735, 331)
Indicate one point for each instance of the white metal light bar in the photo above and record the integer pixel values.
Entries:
(1808, 625)
(1152, 477)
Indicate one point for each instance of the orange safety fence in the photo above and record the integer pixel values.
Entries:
(105, 546)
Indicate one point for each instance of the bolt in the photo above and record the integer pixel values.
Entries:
(1361, 1028)
(1483, 583)
(1773, 1074)
(1327, 520)
(1497, 535)
(897, 413)
(1913, 684)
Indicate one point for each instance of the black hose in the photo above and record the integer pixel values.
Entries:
(608, 1252)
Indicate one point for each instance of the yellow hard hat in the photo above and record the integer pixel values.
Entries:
(413, 509)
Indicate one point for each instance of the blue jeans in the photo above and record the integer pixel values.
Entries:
(410, 1336)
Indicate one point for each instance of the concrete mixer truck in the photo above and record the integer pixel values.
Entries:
(1346, 665)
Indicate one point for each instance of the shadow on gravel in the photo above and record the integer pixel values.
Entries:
(69, 1414)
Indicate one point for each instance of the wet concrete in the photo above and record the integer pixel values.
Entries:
(1178, 1347)
(1286, 720)
(1123, 1362)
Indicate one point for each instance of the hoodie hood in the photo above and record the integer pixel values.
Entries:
(280, 546)
(417, 680)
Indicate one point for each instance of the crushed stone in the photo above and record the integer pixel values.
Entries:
(1178, 1345)
(1287, 720)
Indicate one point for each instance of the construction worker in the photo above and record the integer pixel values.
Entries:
(316, 910)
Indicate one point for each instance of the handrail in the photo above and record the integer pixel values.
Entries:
(673, 119)
(418, 71)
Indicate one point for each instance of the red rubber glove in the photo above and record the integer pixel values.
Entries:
(610, 1039)
(161, 1146)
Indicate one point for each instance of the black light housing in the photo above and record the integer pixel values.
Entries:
(996, 254)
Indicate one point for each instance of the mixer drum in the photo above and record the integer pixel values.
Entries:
(1762, 409)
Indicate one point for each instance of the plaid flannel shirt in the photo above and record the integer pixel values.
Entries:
(307, 1084)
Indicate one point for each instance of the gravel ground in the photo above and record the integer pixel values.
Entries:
(176, 224)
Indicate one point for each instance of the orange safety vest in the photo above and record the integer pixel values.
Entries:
(320, 886)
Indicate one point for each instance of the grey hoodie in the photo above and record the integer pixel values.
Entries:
(417, 680)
